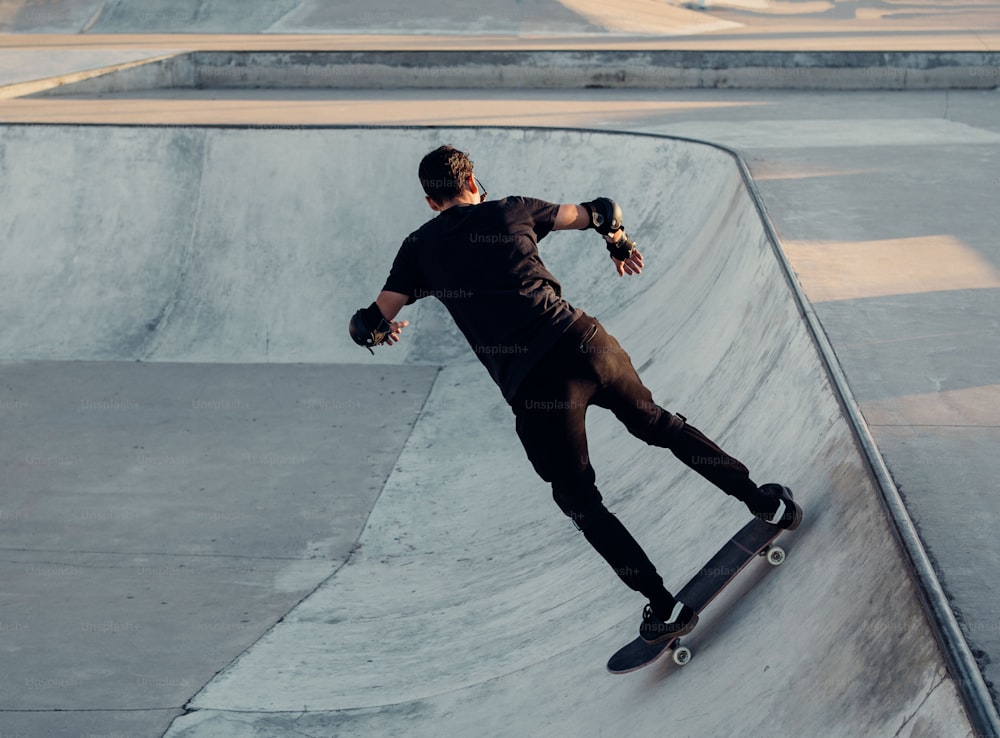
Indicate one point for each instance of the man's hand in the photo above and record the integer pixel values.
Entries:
(630, 265)
(369, 328)
(395, 328)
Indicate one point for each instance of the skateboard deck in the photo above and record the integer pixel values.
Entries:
(754, 539)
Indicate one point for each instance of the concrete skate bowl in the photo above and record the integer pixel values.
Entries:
(471, 606)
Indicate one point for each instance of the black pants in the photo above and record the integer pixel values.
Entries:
(589, 367)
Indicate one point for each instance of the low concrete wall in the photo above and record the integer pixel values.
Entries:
(558, 69)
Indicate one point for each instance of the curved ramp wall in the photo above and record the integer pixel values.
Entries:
(472, 606)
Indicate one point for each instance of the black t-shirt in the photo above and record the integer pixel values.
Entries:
(482, 262)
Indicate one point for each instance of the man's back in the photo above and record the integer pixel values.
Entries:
(482, 262)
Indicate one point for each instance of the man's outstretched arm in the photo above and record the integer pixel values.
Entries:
(628, 260)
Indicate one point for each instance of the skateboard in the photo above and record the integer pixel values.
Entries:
(754, 539)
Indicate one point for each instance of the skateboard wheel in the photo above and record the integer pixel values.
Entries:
(776, 556)
(681, 655)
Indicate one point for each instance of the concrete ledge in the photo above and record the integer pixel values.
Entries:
(552, 69)
(100, 76)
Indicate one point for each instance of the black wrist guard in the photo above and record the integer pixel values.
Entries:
(605, 215)
(369, 328)
(623, 249)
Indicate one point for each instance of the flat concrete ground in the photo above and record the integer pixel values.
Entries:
(158, 518)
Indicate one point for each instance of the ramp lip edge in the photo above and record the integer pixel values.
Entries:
(958, 656)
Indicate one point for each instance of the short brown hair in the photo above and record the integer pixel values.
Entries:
(444, 172)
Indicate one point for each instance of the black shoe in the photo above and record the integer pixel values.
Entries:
(774, 504)
(656, 629)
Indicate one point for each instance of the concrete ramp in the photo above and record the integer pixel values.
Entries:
(472, 606)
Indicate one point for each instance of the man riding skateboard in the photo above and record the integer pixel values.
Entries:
(551, 360)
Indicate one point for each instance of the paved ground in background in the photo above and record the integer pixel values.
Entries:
(159, 517)
(857, 184)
